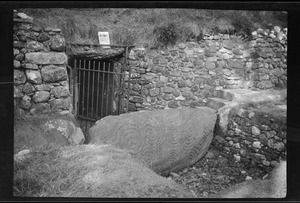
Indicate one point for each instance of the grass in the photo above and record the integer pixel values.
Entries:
(85, 171)
(136, 26)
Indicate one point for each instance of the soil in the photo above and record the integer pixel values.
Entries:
(214, 173)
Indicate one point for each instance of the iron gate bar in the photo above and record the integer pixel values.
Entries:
(107, 87)
(74, 88)
(102, 94)
(113, 90)
(121, 87)
(88, 91)
(98, 87)
(93, 88)
(83, 90)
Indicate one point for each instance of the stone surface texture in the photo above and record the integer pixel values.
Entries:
(39, 63)
(166, 140)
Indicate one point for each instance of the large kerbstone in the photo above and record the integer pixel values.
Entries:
(166, 140)
(46, 58)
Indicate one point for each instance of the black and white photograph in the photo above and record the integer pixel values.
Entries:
(160, 102)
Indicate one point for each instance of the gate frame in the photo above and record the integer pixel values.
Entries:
(73, 77)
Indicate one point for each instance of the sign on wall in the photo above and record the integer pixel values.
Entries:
(104, 38)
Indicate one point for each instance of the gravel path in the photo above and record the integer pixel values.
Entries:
(214, 173)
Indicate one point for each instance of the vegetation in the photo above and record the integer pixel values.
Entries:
(156, 27)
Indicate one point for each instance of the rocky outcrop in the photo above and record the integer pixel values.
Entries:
(165, 140)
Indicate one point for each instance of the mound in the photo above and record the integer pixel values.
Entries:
(90, 171)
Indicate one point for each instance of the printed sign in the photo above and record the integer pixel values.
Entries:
(104, 38)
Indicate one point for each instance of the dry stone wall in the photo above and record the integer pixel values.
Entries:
(256, 135)
(40, 75)
(188, 73)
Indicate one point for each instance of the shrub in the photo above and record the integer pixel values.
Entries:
(166, 34)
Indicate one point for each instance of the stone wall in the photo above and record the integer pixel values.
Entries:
(188, 73)
(256, 134)
(40, 75)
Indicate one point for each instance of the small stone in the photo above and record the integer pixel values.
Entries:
(270, 134)
(175, 175)
(173, 104)
(279, 146)
(248, 178)
(274, 163)
(265, 127)
(231, 142)
(17, 64)
(238, 131)
(21, 155)
(251, 115)
(257, 144)
(266, 163)
(243, 152)
(237, 145)
(271, 143)
(237, 157)
(255, 130)
(26, 102)
(209, 155)
(181, 46)
(241, 113)
(243, 172)
(169, 179)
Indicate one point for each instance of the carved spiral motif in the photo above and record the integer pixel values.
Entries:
(163, 139)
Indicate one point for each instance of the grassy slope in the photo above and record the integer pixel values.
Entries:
(136, 26)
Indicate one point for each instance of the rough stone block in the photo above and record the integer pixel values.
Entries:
(46, 58)
(34, 76)
(53, 73)
(166, 140)
(19, 77)
(41, 96)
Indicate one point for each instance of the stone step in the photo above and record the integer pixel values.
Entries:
(223, 94)
(216, 103)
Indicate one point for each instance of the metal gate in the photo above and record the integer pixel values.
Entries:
(98, 86)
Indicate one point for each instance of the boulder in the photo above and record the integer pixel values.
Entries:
(66, 129)
(92, 171)
(165, 140)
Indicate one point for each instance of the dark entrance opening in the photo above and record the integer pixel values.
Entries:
(97, 86)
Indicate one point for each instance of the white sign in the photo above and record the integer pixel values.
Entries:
(104, 38)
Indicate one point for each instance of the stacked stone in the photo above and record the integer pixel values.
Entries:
(255, 136)
(188, 73)
(40, 75)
